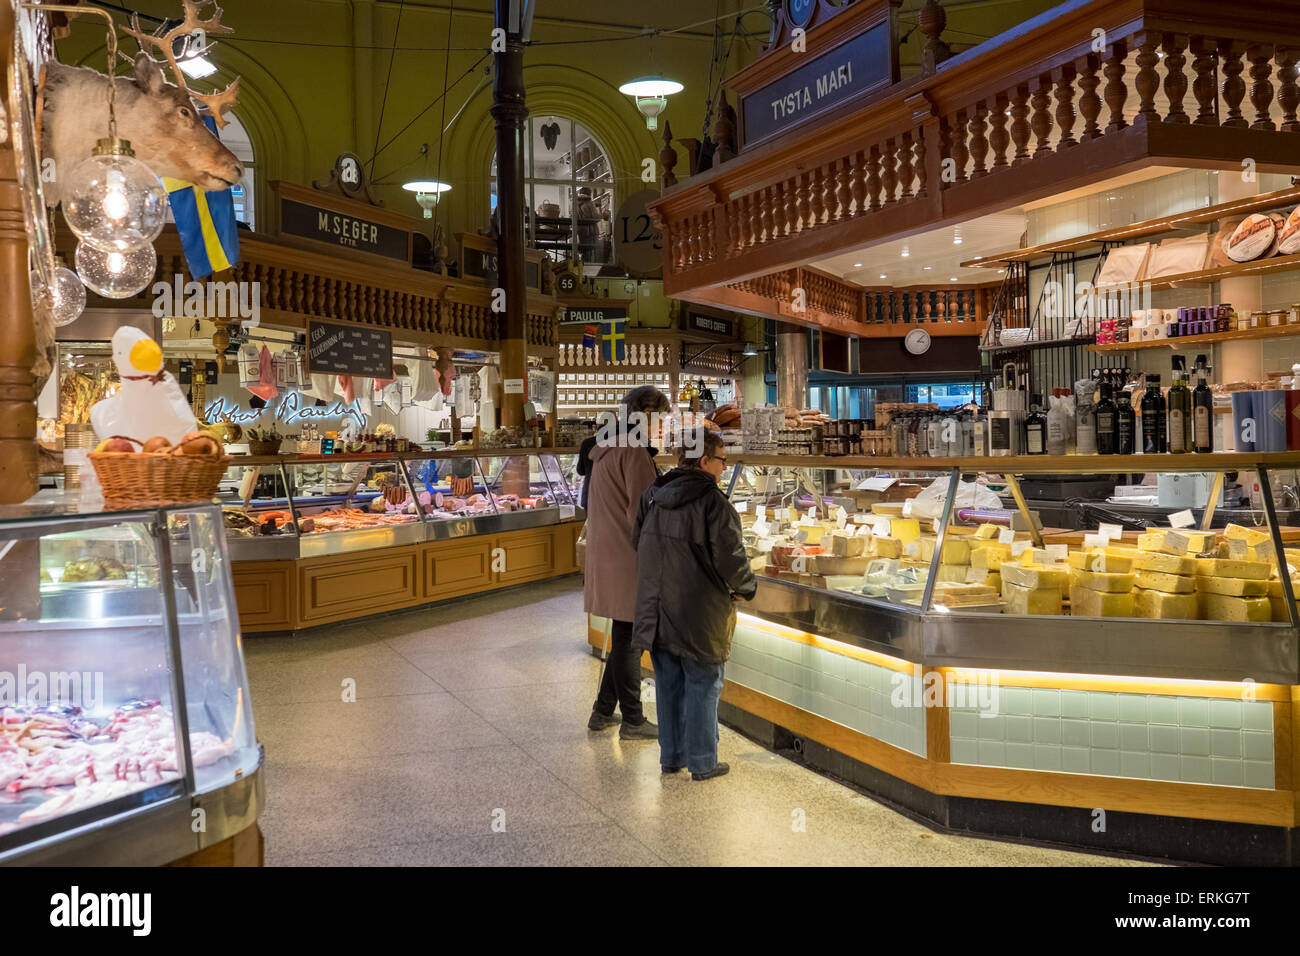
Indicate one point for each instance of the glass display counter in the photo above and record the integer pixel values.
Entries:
(123, 697)
(420, 526)
(921, 629)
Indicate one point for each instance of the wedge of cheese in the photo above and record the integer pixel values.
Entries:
(1153, 541)
(1165, 563)
(1252, 536)
(1223, 607)
(1230, 568)
(905, 529)
(1096, 559)
(990, 555)
(886, 546)
(987, 532)
(1190, 542)
(955, 573)
(1022, 600)
(1162, 606)
(835, 564)
(1101, 581)
(1168, 583)
(1233, 587)
(847, 545)
(954, 550)
(1035, 577)
(1085, 602)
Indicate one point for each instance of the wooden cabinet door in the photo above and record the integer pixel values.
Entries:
(456, 567)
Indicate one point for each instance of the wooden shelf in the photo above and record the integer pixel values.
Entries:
(1040, 464)
(1259, 267)
(1151, 227)
(1266, 332)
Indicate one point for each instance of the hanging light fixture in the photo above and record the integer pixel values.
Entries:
(426, 192)
(113, 198)
(116, 272)
(66, 293)
(651, 94)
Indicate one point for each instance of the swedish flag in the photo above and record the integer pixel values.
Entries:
(613, 343)
(206, 223)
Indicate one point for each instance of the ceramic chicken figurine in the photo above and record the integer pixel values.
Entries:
(150, 401)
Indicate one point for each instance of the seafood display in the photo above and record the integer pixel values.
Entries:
(74, 760)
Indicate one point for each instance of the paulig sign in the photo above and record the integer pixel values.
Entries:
(289, 411)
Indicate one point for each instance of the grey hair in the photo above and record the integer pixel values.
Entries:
(647, 399)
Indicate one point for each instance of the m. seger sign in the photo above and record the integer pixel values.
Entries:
(852, 68)
(340, 229)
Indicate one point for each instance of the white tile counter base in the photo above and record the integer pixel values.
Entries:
(1142, 736)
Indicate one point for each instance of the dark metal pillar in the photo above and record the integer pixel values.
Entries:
(509, 112)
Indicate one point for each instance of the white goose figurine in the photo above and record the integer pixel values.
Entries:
(150, 401)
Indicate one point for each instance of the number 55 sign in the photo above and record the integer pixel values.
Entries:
(638, 243)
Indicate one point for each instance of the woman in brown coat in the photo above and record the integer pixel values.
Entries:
(622, 468)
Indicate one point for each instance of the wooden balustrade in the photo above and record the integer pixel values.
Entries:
(1087, 90)
(418, 307)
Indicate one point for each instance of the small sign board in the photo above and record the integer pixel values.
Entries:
(349, 350)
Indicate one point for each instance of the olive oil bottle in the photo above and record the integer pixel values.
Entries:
(1180, 410)
(1202, 410)
(1125, 423)
(1153, 417)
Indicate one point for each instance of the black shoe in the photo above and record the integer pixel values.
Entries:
(642, 731)
(717, 771)
(668, 770)
(601, 721)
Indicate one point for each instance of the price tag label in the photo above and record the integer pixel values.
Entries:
(790, 515)
(864, 530)
(567, 511)
(862, 519)
(760, 513)
(1237, 548)
(812, 512)
(1006, 536)
(1018, 548)
(936, 525)
(880, 526)
(1058, 552)
(1182, 519)
(1110, 532)
(761, 528)
(912, 549)
(742, 507)
(1094, 541)
(841, 518)
(907, 507)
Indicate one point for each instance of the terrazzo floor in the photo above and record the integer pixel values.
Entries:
(467, 744)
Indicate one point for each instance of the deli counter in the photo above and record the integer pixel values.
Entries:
(995, 674)
(321, 539)
(126, 729)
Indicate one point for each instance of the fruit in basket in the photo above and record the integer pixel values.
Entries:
(116, 443)
(156, 444)
(199, 445)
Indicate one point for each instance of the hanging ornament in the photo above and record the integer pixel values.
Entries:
(66, 294)
(112, 200)
(117, 273)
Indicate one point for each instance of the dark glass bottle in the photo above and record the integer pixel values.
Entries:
(1125, 424)
(1106, 426)
(1153, 424)
(1180, 410)
(1202, 410)
(1035, 429)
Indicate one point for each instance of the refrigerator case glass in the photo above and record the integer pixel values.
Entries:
(91, 723)
(450, 489)
(255, 501)
(523, 482)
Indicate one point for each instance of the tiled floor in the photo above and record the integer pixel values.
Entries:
(467, 744)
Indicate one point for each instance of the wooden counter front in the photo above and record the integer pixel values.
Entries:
(276, 596)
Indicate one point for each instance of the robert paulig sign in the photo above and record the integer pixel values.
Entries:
(852, 68)
(291, 410)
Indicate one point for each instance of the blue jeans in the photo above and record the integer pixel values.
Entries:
(686, 696)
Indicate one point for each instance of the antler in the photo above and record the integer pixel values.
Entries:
(217, 103)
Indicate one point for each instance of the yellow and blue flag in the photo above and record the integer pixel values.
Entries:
(613, 343)
(206, 223)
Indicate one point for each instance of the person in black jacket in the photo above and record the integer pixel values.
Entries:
(691, 571)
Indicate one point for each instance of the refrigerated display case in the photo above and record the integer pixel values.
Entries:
(397, 516)
(124, 704)
(924, 634)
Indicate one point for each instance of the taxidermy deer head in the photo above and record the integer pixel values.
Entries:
(160, 120)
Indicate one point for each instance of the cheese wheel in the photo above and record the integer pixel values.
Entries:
(1288, 240)
(1252, 239)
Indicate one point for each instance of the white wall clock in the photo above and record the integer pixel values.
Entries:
(917, 341)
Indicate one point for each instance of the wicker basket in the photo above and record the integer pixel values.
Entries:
(265, 447)
(157, 478)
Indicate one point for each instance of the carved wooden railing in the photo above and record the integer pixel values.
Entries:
(850, 309)
(420, 308)
(1086, 91)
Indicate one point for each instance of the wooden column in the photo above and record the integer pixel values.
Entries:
(18, 452)
(509, 112)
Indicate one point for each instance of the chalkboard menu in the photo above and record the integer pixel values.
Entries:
(826, 81)
(339, 229)
(349, 350)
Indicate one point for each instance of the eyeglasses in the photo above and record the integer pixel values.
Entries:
(723, 459)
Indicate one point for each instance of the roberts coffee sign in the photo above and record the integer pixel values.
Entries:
(835, 77)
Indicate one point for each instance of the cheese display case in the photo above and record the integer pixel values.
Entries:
(356, 535)
(918, 630)
(124, 703)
